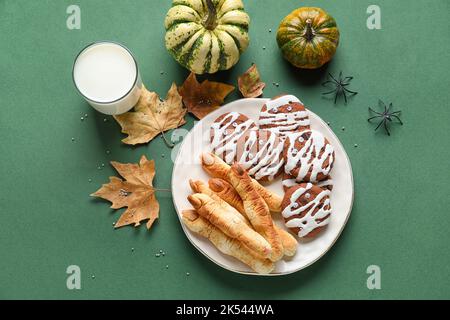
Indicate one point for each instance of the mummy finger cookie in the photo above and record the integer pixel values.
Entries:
(308, 156)
(284, 115)
(306, 209)
(260, 152)
(226, 131)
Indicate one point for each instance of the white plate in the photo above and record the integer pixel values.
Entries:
(187, 166)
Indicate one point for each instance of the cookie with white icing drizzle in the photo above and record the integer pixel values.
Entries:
(226, 131)
(289, 181)
(306, 209)
(284, 115)
(260, 152)
(308, 156)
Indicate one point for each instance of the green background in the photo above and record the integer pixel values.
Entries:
(400, 219)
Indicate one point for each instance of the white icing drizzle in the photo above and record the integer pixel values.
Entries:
(288, 183)
(285, 122)
(224, 142)
(261, 159)
(291, 182)
(303, 160)
(327, 184)
(308, 222)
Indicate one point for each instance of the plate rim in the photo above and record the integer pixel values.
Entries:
(274, 274)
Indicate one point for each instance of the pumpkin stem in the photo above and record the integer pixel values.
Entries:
(211, 19)
(309, 33)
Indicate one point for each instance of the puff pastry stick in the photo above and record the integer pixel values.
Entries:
(225, 244)
(229, 224)
(257, 210)
(217, 168)
(226, 191)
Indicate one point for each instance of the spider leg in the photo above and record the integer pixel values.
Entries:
(340, 76)
(331, 76)
(381, 104)
(390, 107)
(347, 79)
(336, 96)
(379, 125)
(379, 113)
(345, 95)
(371, 118)
(329, 92)
(326, 82)
(396, 112)
(349, 91)
(396, 117)
(386, 128)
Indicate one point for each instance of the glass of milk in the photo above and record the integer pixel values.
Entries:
(107, 76)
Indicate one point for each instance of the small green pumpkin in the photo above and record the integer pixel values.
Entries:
(206, 36)
(308, 37)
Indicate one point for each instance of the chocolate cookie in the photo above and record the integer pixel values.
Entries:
(289, 181)
(260, 152)
(284, 115)
(308, 156)
(306, 209)
(226, 131)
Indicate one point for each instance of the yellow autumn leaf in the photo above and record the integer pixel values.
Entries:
(152, 116)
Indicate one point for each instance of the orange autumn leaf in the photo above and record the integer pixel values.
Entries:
(250, 84)
(152, 116)
(136, 193)
(203, 98)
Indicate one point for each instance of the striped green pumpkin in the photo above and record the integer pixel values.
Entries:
(206, 36)
(308, 37)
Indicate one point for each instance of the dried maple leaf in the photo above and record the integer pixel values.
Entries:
(250, 84)
(136, 193)
(152, 116)
(203, 98)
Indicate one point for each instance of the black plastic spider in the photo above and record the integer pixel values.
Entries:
(339, 87)
(386, 116)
